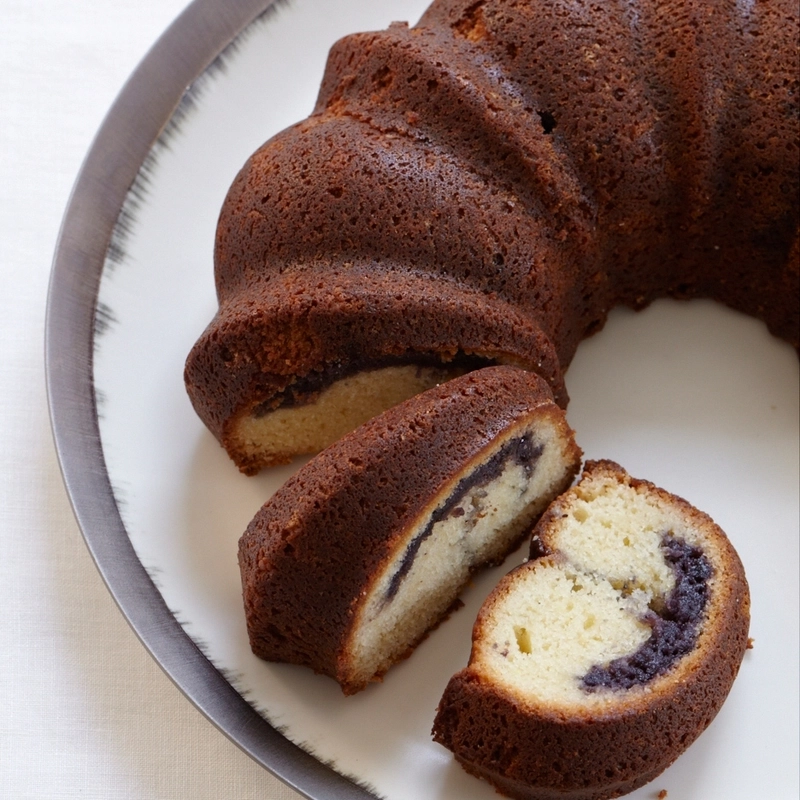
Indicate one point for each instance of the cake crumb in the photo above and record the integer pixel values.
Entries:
(750, 642)
(662, 794)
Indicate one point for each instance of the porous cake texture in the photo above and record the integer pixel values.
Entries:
(483, 188)
(601, 659)
(349, 565)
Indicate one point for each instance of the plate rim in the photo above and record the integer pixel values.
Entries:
(180, 56)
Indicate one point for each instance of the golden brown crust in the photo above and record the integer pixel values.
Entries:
(532, 752)
(453, 192)
(311, 554)
(270, 335)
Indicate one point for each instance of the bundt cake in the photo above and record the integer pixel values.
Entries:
(596, 663)
(482, 188)
(366, 548)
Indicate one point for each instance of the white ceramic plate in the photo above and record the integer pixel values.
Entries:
(694, 397)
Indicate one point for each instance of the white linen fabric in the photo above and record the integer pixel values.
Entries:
(85, 712)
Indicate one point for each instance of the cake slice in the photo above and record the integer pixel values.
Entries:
(365, 549)
(600, 660)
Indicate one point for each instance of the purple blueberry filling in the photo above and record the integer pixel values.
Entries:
(674, 626)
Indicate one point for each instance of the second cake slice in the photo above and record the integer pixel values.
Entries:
(367, 547)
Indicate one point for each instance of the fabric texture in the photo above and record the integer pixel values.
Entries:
(85, 712)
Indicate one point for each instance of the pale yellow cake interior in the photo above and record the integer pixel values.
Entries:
(347, 403)
(582, 607)
(479, 529)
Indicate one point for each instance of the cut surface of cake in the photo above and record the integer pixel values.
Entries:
(367, 547)
(600, 660)
(482, 188)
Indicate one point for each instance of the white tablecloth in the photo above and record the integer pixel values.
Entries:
(84, 710)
